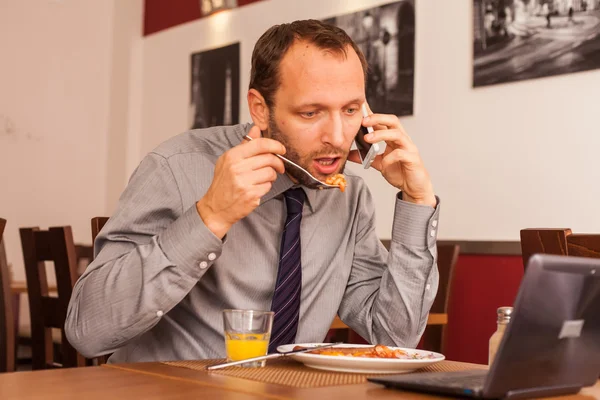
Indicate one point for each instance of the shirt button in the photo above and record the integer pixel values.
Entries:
(432, 233)
(428, 286)
(212, 256)
(434, 223)
(203, 264)
(159, 314)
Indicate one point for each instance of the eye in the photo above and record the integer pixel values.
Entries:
(308, 114)
(352, 110)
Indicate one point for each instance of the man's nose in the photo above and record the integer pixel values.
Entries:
(334, 133)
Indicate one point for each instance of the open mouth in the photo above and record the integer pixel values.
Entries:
(326, 165)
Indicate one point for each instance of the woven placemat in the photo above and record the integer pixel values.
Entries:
(290, 373)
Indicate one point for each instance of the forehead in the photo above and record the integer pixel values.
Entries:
(309, 74)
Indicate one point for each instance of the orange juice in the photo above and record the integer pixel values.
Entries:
(240, 346)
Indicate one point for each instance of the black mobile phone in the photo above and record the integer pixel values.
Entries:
(367, 151)
(361, 145)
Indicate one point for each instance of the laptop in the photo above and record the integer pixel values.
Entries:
(550, 347)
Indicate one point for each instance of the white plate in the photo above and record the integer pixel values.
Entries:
(362, 364)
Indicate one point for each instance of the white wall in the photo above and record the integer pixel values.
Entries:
(502, 158)
(125, 101)
(64, 115)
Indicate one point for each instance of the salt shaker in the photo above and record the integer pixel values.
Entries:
(504, 314)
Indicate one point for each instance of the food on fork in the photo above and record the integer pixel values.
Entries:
(337, 180)
(378, 351)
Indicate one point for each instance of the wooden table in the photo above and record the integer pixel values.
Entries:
(160, 381)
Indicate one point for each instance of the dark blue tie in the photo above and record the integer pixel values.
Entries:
(286, 299)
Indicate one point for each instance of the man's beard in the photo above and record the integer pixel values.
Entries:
(306, 163)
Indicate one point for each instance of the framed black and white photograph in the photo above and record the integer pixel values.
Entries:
(516, 40)
(215, 87)
(386, 35)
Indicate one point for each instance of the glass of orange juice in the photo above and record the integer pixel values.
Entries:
(247, 335)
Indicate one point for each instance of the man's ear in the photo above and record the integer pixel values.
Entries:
(259, 111)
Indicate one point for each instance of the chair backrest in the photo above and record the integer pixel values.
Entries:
(433, 337)
(583, 245)
(97, 225)
(7, 322)
(56, 245)
(447, 258)
(558, 241)
(547, 241)
(85, 255)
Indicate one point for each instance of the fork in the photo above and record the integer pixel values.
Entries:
(317, 184)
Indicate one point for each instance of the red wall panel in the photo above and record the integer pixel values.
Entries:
(164, 14)
(482, 283)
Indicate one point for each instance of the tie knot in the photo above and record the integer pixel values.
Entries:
(294, 199)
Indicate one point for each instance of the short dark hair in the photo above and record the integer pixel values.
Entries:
(275, 42)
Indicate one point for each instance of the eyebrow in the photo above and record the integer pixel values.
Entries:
(357, 100)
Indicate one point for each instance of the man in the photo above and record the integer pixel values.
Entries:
(200, 225)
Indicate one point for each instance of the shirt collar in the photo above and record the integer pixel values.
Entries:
(283, 183)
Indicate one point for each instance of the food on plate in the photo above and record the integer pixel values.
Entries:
(337, 180)
(378, 351)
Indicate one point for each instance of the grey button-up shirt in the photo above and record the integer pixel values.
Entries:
(161, 278)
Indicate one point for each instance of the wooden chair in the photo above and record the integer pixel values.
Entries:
(7, 321)
(434, 335)
(547, 241)
(56, 245)
(97, 225)
(558, 241)
(85, 255)
(583, 245)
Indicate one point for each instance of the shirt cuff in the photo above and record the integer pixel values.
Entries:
(190, 245)
(415, 224)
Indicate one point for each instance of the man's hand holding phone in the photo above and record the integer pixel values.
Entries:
(400, 164)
